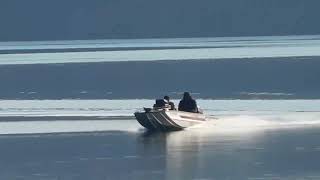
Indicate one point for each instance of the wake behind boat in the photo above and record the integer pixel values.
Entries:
(164, 119)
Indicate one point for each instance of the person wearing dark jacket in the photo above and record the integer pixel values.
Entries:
(188, 104)
(169, 102)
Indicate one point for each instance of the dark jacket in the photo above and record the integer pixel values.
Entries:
(188, 105)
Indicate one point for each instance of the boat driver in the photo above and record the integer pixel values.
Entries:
(167, 99)
(188, 104)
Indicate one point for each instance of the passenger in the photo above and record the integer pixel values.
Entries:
(167, 99)
(188, 104)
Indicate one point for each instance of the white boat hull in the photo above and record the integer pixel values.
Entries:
(168, 120)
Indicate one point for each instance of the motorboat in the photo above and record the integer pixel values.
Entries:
(164, 119)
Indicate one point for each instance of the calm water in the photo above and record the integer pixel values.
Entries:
(160, 49)
(99, 139)
(256, 139)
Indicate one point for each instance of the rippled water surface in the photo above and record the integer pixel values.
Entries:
(99, 139)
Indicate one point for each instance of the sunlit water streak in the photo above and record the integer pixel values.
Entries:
(198, 48)
(310, 40)
(224, 116)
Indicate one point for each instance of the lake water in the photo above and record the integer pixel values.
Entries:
(99, 139)
(158, 49)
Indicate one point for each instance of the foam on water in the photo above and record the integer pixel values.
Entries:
(249, 123)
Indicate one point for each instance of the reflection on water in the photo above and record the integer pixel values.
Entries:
(265, 153)
(268, 154)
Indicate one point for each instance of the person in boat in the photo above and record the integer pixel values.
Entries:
(188, 104)
(160, 103)
(171, 104)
